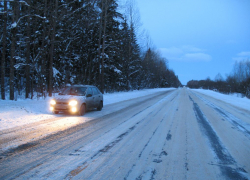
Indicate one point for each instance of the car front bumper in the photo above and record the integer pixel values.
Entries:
(64, 108)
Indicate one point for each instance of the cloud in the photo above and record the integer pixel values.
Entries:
(189, 48)
(196, 57)
(185, 53)
(244, 55)
(173, 51)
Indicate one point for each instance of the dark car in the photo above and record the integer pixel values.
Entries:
(77, 99)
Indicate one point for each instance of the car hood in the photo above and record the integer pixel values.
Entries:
(69, 97)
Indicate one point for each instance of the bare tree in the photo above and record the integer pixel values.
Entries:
(218, 77)
(132, 16)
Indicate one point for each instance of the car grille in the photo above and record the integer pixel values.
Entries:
(62, 103)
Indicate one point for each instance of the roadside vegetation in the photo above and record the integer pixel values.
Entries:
(48, 44)
(237, 82)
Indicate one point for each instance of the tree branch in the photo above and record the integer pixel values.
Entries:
(14, 25)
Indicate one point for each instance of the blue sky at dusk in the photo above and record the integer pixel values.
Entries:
(200, 38)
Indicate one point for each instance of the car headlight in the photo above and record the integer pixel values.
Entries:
(52, 102)
(73, 103)
(74, 109)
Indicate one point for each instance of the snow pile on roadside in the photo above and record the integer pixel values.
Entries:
(243, 103)
(25, 111)
(16, 113)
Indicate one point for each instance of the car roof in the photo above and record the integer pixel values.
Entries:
(81, 85)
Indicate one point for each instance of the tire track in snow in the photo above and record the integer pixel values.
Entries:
(186, 153)
(102, 151)
(50, 137)
(110, 145)
(27, 148)
(90, 161)
(227, 164)
(236, 122)
(152, 172)
(13, 140)
(140, 154)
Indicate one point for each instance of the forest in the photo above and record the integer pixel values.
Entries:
(47, 44)
(237, 82)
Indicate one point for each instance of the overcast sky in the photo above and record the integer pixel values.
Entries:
(200, 38)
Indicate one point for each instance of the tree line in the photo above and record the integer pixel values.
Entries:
(237, 82)
(46, 44)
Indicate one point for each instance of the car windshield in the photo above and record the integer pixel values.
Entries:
(77, 91)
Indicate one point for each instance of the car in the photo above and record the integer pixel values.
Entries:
(77, 99)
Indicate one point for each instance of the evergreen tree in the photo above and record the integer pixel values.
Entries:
(47, 44)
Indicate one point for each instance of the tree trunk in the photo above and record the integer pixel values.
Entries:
(103, 45)
(99, 50)
(12, 51)
(53, 18)
(27, 68)
(44, 53)
(4, 52)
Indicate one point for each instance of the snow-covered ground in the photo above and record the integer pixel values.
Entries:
(25, 111)
(232, 99)
(179, 134)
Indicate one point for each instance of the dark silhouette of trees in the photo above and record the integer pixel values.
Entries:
(48, 44)
(238, 81)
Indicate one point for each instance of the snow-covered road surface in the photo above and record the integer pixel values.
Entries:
(179, 134)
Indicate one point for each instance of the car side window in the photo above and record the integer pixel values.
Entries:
(95, 92)
(89, 91)
(99, 92)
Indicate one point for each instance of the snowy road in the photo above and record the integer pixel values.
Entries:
(179, 134)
